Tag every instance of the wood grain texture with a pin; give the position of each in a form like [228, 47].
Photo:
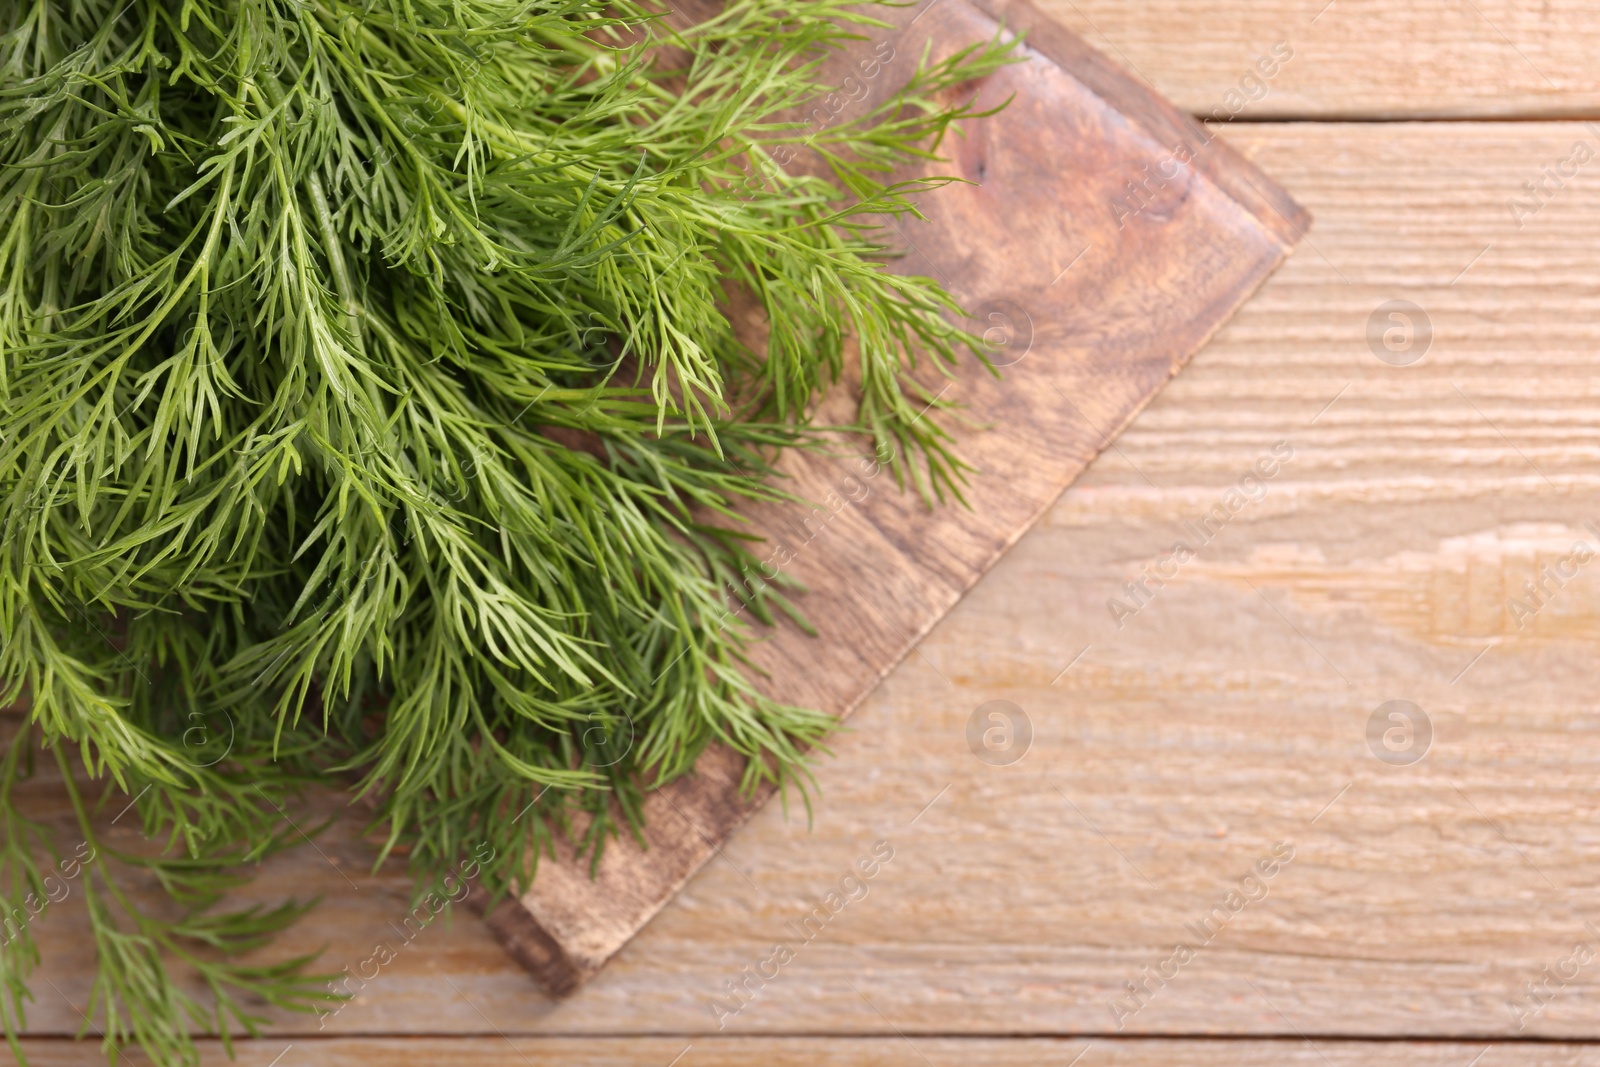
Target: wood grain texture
[895, 1051]
[1353, 59]
[1103, 296]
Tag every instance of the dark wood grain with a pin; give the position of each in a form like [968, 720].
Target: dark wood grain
[1098, 299]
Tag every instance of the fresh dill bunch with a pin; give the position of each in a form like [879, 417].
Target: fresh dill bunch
[369, 397]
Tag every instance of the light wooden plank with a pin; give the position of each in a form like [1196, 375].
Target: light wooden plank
[1354, 58]
[876, 1051]
[1208, 728]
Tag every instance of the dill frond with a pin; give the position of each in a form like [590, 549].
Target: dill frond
[366, 382]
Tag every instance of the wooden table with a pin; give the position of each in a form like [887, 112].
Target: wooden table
[1231, 715]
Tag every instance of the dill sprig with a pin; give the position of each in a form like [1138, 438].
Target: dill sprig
[370, 400]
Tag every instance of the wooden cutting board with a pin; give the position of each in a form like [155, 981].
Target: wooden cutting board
[1104, 239]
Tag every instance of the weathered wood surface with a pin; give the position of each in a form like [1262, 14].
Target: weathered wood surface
[1197, 735]
[1368, 59]
[1101, 297]
[892, 1051]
